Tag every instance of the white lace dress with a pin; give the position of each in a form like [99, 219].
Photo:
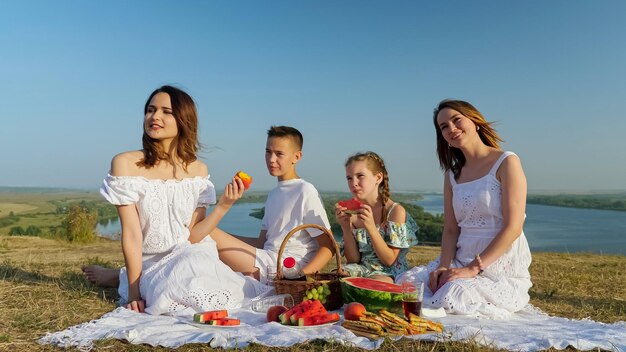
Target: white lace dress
[503, 287]
[177, 277]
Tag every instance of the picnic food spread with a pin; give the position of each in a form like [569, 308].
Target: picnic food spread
[215, 317]
[373, 294]
[311, 313]
[245, 178]
[386, 323]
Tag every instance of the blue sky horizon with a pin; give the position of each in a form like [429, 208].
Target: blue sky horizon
[351, 75]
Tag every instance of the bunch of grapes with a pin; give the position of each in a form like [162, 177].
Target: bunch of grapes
[320, 293]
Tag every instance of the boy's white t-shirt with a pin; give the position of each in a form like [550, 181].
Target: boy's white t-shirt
[293, 203]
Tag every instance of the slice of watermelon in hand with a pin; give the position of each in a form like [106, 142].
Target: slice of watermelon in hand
[353, 205]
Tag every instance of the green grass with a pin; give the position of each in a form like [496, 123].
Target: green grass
[43, 290]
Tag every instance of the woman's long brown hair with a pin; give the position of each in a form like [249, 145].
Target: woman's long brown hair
[451, 158]
[186, 143]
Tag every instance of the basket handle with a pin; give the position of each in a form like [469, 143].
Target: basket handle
[325, 231]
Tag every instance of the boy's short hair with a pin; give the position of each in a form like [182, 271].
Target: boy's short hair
[286, 131]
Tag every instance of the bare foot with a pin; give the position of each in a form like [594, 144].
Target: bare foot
[101, 276]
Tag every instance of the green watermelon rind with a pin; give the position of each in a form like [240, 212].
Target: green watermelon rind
[373, 300]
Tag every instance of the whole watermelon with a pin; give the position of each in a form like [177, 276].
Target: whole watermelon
[373, 294]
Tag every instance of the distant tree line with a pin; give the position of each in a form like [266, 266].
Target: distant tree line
[604, 202]
[104, 210]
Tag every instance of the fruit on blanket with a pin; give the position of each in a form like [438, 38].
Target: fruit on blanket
[224, 322]
[274, 312]
[352, 205]
[316, 308]
[373, 294]
[298, 308]
[210, 315]
[318, 319]
[354, 311]
[245, 178]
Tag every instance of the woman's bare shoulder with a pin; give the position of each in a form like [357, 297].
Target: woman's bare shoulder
[198, 168]
[125, 164]
[511, 167]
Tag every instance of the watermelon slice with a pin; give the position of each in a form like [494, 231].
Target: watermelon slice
[352, 205]
[314, 309]
[210, 315]
[284, 318]
[224, 322]
[318, 319]
[373, 294]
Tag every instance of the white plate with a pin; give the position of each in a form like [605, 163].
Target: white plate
[311, 326]
[209, 326]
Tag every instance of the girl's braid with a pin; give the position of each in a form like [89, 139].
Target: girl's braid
[383, 188]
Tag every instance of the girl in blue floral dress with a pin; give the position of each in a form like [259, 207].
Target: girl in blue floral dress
[378, 235]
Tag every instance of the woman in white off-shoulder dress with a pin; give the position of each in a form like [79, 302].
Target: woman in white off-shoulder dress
[483, 266]
[161, 193]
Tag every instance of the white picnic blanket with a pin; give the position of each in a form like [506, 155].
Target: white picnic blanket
[529, 330]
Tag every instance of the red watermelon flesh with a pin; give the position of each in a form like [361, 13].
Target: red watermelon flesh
[210, 315]
[224, 322]
[375, 285]
[314, 309]
[351, 204]
[318, 319]
[284, 318]
[373, 294]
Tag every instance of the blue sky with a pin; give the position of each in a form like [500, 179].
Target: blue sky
[351, 75]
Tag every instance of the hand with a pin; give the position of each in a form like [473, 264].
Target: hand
[434, 277]
[137, 305]
[456, 273]
[232, 192]
[342, 217]
[365, 218]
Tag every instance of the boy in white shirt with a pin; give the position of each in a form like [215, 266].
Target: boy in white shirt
[292, 203]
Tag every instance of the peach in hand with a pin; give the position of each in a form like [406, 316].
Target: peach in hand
[245, 178]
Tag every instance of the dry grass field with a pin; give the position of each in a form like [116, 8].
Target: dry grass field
[15, 208]
[42, 290]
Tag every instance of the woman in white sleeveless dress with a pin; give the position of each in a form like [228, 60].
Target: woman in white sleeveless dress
[161, 193]
[483, 266]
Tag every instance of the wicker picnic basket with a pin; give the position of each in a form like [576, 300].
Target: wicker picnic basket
[297, 288]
